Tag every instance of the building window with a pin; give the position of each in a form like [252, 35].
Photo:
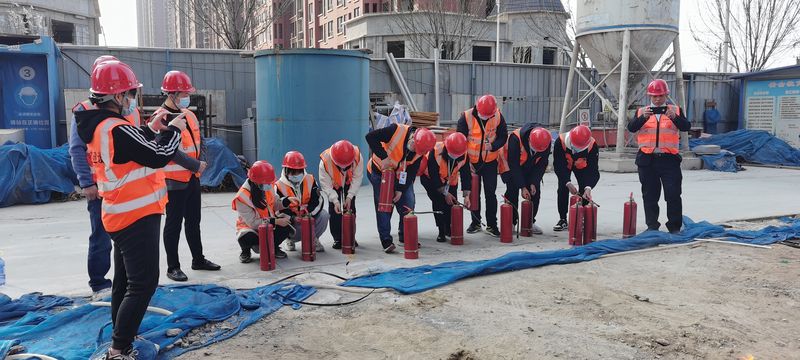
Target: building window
[63, 32]
[448, 50]
[329, 4]
[374, 8]
[366, 8]
[549, 55]
[280, 31]
[522, 55]
[339, 2]
[321, 31]
[310, 11]
[481, 53]
[340, 24]
[396, 48]
[330, 29]
[356, 12]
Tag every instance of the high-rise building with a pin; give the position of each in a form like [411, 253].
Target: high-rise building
[67, 22]
[156, 23]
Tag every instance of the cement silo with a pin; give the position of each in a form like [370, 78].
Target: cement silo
[624, 39]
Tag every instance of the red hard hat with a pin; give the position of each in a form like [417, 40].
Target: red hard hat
[262, 173]
[113, 77]
[486, 105]
[294, 160]
[540, 139]
[456, 144]
[657, 87]
[343, 153]
[176, 81]
[580, 136]
[424, 140]
[103, 58]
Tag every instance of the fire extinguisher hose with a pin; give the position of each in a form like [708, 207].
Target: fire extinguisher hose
[366, 292]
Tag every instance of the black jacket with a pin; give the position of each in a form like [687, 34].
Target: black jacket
[375, 139]
[560, 159]
[502, 130]
[433, 170]
[532, 171]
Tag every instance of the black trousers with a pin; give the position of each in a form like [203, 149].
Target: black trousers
[336, 219]
[487, 174]
[512, 194]
[662, 170]
[183, 205]
[250, 239]
[135, 277]
[585, 178]
[439, 204]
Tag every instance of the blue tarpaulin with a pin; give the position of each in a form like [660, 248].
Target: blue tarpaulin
[422, 278]
[77, 331]
[724, 161]
[221, 161]
[754, 146]
[28, 174]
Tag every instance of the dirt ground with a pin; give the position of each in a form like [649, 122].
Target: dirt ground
[704, 301]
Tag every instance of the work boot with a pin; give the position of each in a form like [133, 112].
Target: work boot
[473, 228]
[336, 245]
[205, 265]
[561, 225]
[177, 275]
[493, 231]
[536, 230]
[289, 245]
[245, 257]
[318, 246]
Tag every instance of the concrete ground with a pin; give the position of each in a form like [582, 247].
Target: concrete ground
[45, 246]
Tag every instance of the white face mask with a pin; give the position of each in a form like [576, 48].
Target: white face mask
[295, 178]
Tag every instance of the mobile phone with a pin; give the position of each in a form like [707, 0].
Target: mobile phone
[169, 117]
[659, 109]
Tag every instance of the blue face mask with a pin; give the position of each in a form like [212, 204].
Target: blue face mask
[183, 102]
[295, 178]
[266, 187]
[131, 108]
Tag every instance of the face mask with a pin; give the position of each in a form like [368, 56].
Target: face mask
[345, 169]
[131, 108]
[266, 187]
[295, 178]
[484, 118]
[183, 103]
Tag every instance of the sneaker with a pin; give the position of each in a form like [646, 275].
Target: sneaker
[245, 257]
[389, 249]
[318, 246]
[473, 228]
[337, 245]
[256, 249]
[441, 238]
[493, 231]
[536, 230]
[205, 265]
[140, 349]
[289, 245]
[99, 295]
[279, 254]
[561, 225]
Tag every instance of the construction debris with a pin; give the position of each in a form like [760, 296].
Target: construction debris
[424, 119]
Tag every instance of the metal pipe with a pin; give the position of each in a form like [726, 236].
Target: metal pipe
[497, 38]
[568, 94]
[676, 46]
[623, 91]
[435, 55]
[594, 88]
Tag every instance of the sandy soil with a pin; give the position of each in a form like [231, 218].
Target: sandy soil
[705, 301]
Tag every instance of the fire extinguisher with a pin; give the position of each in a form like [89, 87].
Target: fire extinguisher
[309, 251]
[348, 233]
[576, 226]
[411, 243]
[266, 246]
[526, 218]
[457, 225]
[474, 191]
[589, 223]
[629, 219]
[385, 203]
[506, 221]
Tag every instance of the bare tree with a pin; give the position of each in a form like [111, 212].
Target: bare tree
[450, 26]
[760, 30]
[236, 23]
[557, 29]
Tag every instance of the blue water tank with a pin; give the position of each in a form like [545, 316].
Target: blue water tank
[307, 99]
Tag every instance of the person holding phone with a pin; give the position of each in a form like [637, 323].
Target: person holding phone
[658, 128]
[183, 179]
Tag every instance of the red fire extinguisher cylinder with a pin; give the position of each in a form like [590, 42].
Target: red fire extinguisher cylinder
[266, 246]
[385, 203]
[457, 225]
[474, 191]
[629, 218]
[526, 218]
[411, 242]
[309, 251]
[506, 222]
[348, 233]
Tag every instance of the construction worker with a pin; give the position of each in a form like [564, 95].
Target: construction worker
[340, 176]
[255, 203]
[575, 153]
[485, 129]
[183, 180]
[99, 258]
[522, 165]
[398, 147]
[658, 128]
[124, 159]
[299, 195]
[439, 175]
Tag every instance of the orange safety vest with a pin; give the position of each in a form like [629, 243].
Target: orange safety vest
[133, 117]
[130, 191]
[190, 145]
[580, 163]
[663, 134]
[476, 146]
[395, 149]
[502, 158]
[445, 177]
[338, 178]
[244, 196]
[286, 190]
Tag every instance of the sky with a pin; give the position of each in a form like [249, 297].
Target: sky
[120, 31]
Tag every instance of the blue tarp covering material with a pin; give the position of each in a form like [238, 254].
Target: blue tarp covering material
[724, 161]
[75, 333]
[28, 174]
[221, 161]
[422, 278]
[754, 146]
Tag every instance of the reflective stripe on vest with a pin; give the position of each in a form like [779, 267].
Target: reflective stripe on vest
[580, 163]
[338, 179]
[502, 158]
[130, 191]
[663, 134]
[305, 192]
[446, 175]
[190, 143]
[244, 196]
[476, 139]
[395, 149]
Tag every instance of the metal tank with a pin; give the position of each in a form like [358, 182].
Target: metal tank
[600, 29]
[307, 99]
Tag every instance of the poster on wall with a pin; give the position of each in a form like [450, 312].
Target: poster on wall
[774, 106]
[25, 96]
